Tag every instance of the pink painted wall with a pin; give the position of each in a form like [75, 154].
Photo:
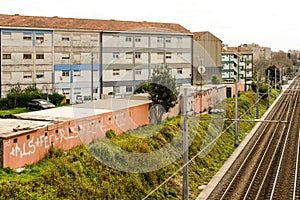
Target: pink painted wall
[30, 147]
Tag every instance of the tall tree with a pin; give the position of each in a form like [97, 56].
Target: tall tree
[162, 90]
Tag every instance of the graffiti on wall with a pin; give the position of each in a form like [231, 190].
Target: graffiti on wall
[35, 143]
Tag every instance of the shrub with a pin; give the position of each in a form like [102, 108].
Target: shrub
[4, 104]
[56, 98]
[110, 134]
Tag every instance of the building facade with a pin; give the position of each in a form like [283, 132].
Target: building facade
[87, 57]
[207, 53]
[237, 63]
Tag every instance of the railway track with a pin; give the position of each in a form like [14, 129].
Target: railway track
[268, 167]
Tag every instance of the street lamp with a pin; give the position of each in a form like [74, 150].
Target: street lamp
[201, 70]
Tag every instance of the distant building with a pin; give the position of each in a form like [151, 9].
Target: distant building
[259, 52]
[237, 62]
[207, 53]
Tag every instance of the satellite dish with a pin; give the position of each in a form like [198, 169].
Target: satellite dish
[201, 69]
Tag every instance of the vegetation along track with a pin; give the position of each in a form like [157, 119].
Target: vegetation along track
[268, 166]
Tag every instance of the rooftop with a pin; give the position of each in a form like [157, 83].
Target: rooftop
[87, 24]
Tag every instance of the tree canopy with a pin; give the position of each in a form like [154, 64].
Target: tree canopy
[162, 90]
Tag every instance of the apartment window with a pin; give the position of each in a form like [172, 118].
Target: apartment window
[76, 37]
[6, 56]
[116, 55]
[138, 72]
[94, 38]
[66, 91]
[26, 36]
[128, 55]
[39, 37]
[116, 72]
[65, 56]
[128, 88]
[138, 55]
[77, 72]
[116, 89]
[65, 73]
[27, 75]
[138, 38]
[128, 38]
[77, 91]
[27, 56]
[65, 38]
[159, 39]
[39, 56]
[168, 40]
[6, 36]
[168, 55]
[160, 55]
[179, 70]
[39, 75]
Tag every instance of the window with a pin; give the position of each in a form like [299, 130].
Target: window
[26, 56]
[168, 40]
[77, 72]
[138, 72]
[116, 72]
[179, 54]
[65, 73]
[168, 55]
[138, 55]
[66, 91]
[76, 37]
[27, 75]
[128, 88]
[65, 56]
[128, 38]
[39, 56]
[179, 70]
[138, 38]
[128, 55]
[116, 89]
[160, 55]
[6, 56]
[159, 39]
[39, 37]
[39, 75]
[65, 38]
[6, 36]
[77, 91]
[26, 36]
[116, 55]
[94, 38]
[179, 39]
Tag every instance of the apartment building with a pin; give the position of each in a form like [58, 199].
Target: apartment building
[88, 56]
[207, 53]
[237, 61]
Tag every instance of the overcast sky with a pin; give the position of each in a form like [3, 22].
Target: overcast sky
[264, 22]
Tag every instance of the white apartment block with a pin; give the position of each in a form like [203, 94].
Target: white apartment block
[237, 64]
[83, 57]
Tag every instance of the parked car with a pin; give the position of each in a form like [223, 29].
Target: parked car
[39, 104]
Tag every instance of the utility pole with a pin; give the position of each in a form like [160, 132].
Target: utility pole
[185, 148]
[92, 76]
[245, 65]
[268, 88]
[236, 135]
[257, 104]
[275, 82]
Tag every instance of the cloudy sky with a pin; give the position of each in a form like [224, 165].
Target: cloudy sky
[264, 22]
